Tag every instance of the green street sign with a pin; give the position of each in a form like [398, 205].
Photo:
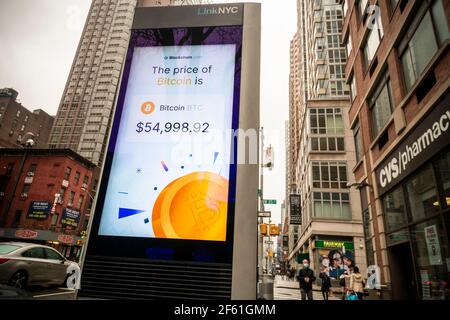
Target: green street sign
[269, 201]
[259, 192]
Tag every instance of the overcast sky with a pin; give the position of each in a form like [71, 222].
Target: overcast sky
[39, 40]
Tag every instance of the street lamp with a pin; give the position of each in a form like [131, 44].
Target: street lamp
[359, 185]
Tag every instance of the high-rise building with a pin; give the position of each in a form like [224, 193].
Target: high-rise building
[84, 114]
[322, 149]
[18, 124]
[398, 70]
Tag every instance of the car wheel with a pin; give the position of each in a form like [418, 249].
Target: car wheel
[19, 279]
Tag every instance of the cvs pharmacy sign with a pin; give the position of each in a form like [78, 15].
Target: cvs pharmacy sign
[422, 143]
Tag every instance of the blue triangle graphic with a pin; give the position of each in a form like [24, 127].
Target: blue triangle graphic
[124, 212]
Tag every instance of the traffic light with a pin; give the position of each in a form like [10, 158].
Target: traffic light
[264, 229]
[274, 230]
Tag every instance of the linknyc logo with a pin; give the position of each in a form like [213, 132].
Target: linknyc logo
[217, 11]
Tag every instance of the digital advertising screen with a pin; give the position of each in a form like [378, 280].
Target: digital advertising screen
[171, 170]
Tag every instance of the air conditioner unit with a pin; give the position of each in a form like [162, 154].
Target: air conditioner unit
[2, 194]
[84, 186]
[24, 195]
[30, 174]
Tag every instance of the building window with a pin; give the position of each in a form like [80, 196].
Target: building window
[393, 5]
[329, 175]
[32, 168]
[9, 169]
[334, 144]
[366, 224]
[381, 105]
[373, 40]
[357, 136]
[332, 205]
[431, 252]
[326, 121]
[77, 177]
[444, 174]
[345, 8]
[395, 209]
[71, 197]
[422, 195]
[353, 91]
[67, 173]
[423, 41]
[349, 45]
[362, 6]
[85, 180]
[26, 189]
[62, 193]
[80, 202]
[370, 254]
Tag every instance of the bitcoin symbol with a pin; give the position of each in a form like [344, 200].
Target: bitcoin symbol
[147, 107]
[139, 128]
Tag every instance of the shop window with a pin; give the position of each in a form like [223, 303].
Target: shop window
[422, 195]
[444, 174]
[431, 256]
[427, 33]
[394, 209]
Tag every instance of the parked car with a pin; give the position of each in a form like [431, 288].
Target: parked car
[25, 264]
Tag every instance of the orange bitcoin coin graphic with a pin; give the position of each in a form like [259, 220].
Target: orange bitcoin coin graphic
[192, 207]
[147, 107]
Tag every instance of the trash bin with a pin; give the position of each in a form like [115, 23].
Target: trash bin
[265, 287]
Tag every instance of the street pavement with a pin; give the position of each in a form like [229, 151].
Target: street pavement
[289, 290]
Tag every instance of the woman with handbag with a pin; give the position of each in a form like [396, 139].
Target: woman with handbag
[344, 281]
[357, 283]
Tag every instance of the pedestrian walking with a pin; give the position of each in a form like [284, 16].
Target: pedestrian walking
[344, 281]
[357, 283]
[326, 283]
[306, 278]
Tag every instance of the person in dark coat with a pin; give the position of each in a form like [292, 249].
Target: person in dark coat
[326, 283]
[306, 278]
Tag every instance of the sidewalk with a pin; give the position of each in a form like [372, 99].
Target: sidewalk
[289, 290]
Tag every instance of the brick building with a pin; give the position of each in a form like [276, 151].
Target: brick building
[398, 71]
[16, 121]
[45, 196]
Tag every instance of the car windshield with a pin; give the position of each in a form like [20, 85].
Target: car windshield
[7, 248]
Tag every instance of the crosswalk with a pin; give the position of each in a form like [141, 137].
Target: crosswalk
[289, 290]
